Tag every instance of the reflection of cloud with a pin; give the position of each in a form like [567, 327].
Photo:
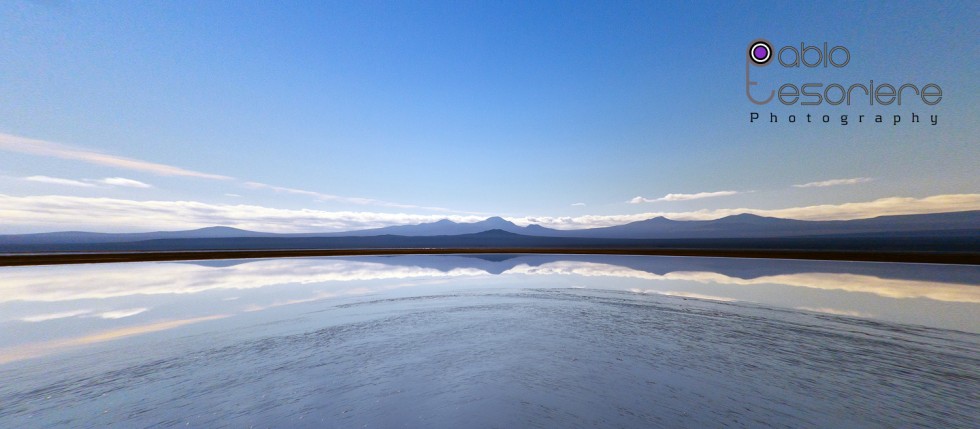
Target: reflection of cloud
[684, 295]
[77, 282]
[835, 311]
[683, 197]
[316, 297]
[119, 314]
[54, 316]
[67, 283]
[889, 288]
[28, 351]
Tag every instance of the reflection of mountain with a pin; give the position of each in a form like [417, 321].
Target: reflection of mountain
[732, 267]
[959, 231]
[86, 282]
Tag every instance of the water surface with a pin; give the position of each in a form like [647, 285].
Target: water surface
[490, 341]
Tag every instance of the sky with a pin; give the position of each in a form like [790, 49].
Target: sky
[332, 116]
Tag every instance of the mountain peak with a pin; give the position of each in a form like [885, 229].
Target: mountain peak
[497, 220]
[745, 216]
[220, 228]
[752, 219]
[658, 219]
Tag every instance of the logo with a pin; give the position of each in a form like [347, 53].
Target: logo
[761, 53]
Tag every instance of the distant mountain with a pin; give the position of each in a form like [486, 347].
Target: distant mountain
[76, 237]
[737, 226]
[442, 227]
[964, 226]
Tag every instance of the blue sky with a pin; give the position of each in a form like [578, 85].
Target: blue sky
[333, 116]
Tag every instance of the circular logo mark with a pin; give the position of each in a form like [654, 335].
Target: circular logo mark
[760, 51]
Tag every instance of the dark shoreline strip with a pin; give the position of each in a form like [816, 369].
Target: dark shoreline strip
[109, 257]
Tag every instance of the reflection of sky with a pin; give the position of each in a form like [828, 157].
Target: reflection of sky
[47, 308]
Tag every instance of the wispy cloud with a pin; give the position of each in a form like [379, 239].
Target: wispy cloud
[36, 147]
[56, 150]
[121, 181]
[89, 183]
[683, 197]
[59, 181]
[328, 197]
[578, 205]
[858, 210]
[834, 182]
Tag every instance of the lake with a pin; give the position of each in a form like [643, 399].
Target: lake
[490, 341]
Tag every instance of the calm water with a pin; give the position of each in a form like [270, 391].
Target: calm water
[491, 341]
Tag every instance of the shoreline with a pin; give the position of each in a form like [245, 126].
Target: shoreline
[37, 259]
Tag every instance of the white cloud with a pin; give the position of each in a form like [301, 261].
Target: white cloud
[834, 182]
[58, 181]
[121, 181]
[859, 210]
[233, 195]
[683, 197]
[578, 205]
[88, 183]
[44, 148]
[59, 213]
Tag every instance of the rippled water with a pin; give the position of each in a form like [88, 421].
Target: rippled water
[528, 341]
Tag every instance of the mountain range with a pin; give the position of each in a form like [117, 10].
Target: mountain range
[736, 226]
[743, 226]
